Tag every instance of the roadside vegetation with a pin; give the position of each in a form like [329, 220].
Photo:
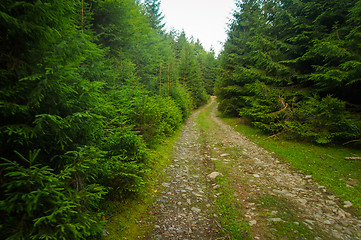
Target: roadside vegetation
[88, 91]
[132, 218]
[293, 69]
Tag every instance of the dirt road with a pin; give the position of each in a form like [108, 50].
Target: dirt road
[212, 160]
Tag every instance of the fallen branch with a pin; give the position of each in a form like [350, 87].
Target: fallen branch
[359, 140]
[352, 158]
[274, 135]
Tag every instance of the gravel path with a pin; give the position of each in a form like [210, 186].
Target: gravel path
[186, 208]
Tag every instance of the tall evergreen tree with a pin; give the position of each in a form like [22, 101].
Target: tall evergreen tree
[154, 14]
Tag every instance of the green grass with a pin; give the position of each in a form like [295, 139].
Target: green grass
[203, 118]
[230, 213]
[326, 164]
[130, 219]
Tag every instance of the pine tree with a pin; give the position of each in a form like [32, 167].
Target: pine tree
[154, 14]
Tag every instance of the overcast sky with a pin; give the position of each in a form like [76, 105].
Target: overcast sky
[205, 20]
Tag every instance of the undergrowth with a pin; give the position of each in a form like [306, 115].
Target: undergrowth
[131, 219]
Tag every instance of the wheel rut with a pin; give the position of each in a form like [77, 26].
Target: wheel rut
[184, 206]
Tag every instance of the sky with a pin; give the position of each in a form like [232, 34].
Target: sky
[205, 20]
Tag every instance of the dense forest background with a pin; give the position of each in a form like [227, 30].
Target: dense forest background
[87, 88]
[293, 68]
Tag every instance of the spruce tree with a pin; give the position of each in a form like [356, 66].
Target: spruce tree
[154, 14]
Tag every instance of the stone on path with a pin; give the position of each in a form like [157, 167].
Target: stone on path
[214, 175]
[161, 200]
[275, 220]
[347, 204]
[197, 194]
[194, 209]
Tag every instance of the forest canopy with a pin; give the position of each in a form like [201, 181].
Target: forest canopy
[293, 68]
[87, 87]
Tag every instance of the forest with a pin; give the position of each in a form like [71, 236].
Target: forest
[293, 69]
[87, 88]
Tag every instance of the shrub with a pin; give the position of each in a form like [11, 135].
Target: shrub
[39, 204]
[323, 120]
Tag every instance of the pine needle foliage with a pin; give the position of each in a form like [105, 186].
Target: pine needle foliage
[87, 88]
[292, 68]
